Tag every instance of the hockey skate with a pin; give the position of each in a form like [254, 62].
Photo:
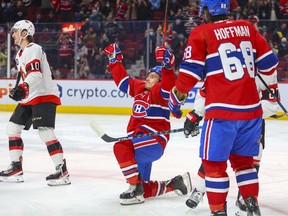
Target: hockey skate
[134, 195]
[220, 212]
[241, 205]
[14, 173]
[60, 177]
[194, 199]
[252, 206]
[181, 184]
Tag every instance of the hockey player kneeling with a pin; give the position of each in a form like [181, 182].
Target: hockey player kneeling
[150, 113]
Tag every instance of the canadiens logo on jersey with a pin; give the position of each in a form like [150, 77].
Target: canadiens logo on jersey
[140, 109]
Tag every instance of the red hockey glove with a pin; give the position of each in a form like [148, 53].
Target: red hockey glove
[19, 92]
[159, 53]
[174, 104]
[113, 52]
[165, 56]
[191, 123]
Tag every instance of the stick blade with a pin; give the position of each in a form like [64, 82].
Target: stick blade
[96, 128]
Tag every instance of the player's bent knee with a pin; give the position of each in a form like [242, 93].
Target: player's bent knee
[46, 134]
[14, 129]
[239, 162]
[214, 168]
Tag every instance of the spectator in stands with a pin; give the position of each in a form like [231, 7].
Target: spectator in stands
[273, 15]
[4, 11]
[66, 53]
[132, 15]
[262, 12]
[150, 35]
[121, 10]
[3, 62]
[51, 17]
[89, 39]
[284, 9]
[66, 11]
[283, 48]
[97, 65]
[279, 33]
[144, 10]
[237, 13]
[178, 25]
[106, 9]
[3, 37]
[17, 12]
[113, 29]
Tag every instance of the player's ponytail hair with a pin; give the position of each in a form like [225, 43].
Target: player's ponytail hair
[30, 39]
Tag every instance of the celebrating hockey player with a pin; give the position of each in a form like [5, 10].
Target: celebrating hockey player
[269, 106]
[150, 113]
[37, 94]
[226, 54]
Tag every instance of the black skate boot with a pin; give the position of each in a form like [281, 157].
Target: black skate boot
[241, 205]
[219, 213]
[14, 173]
[194, 199]
[134, 195]
[60, 177]
[181, 184]
[252, 206]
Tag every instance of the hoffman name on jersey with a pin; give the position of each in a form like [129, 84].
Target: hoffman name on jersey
[232, 31]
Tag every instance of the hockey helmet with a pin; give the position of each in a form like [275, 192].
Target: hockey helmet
[156, 69]
[215, 7]
[24, 25]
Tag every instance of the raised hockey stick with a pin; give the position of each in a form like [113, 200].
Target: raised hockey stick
[98, 130]
[165, 23]
[274, 96]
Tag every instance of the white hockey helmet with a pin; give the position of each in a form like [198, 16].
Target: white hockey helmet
[24, 25]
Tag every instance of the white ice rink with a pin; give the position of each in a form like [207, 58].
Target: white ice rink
[97, 180]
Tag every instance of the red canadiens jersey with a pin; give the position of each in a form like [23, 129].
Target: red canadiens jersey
[150, 112]
[226, 55]
[35, 71]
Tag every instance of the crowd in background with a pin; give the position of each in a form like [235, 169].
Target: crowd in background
[101, 22]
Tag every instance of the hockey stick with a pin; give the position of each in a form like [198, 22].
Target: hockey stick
[274, 96]
[98, 130]
[165, 23]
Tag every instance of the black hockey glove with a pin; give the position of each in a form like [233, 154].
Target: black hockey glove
[19, 92]
[190, 124]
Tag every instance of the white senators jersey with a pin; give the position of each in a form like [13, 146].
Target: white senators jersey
[35, 71]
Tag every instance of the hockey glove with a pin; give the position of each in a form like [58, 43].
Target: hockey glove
[159, 53]
[19, 92]
[169, 60]
[164, 56]
[190, 124]
[174, 104]
[267, 96]
[113, 52]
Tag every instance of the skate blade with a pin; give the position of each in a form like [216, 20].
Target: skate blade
[12, 179]
[187, 182]
[59, 182]
[132, 201]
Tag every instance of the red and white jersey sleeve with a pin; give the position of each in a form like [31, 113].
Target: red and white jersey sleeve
[35, 71]
[226, 55]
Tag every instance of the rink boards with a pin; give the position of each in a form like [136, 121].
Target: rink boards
[100, 97]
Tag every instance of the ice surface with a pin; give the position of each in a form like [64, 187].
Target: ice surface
[97, 180]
